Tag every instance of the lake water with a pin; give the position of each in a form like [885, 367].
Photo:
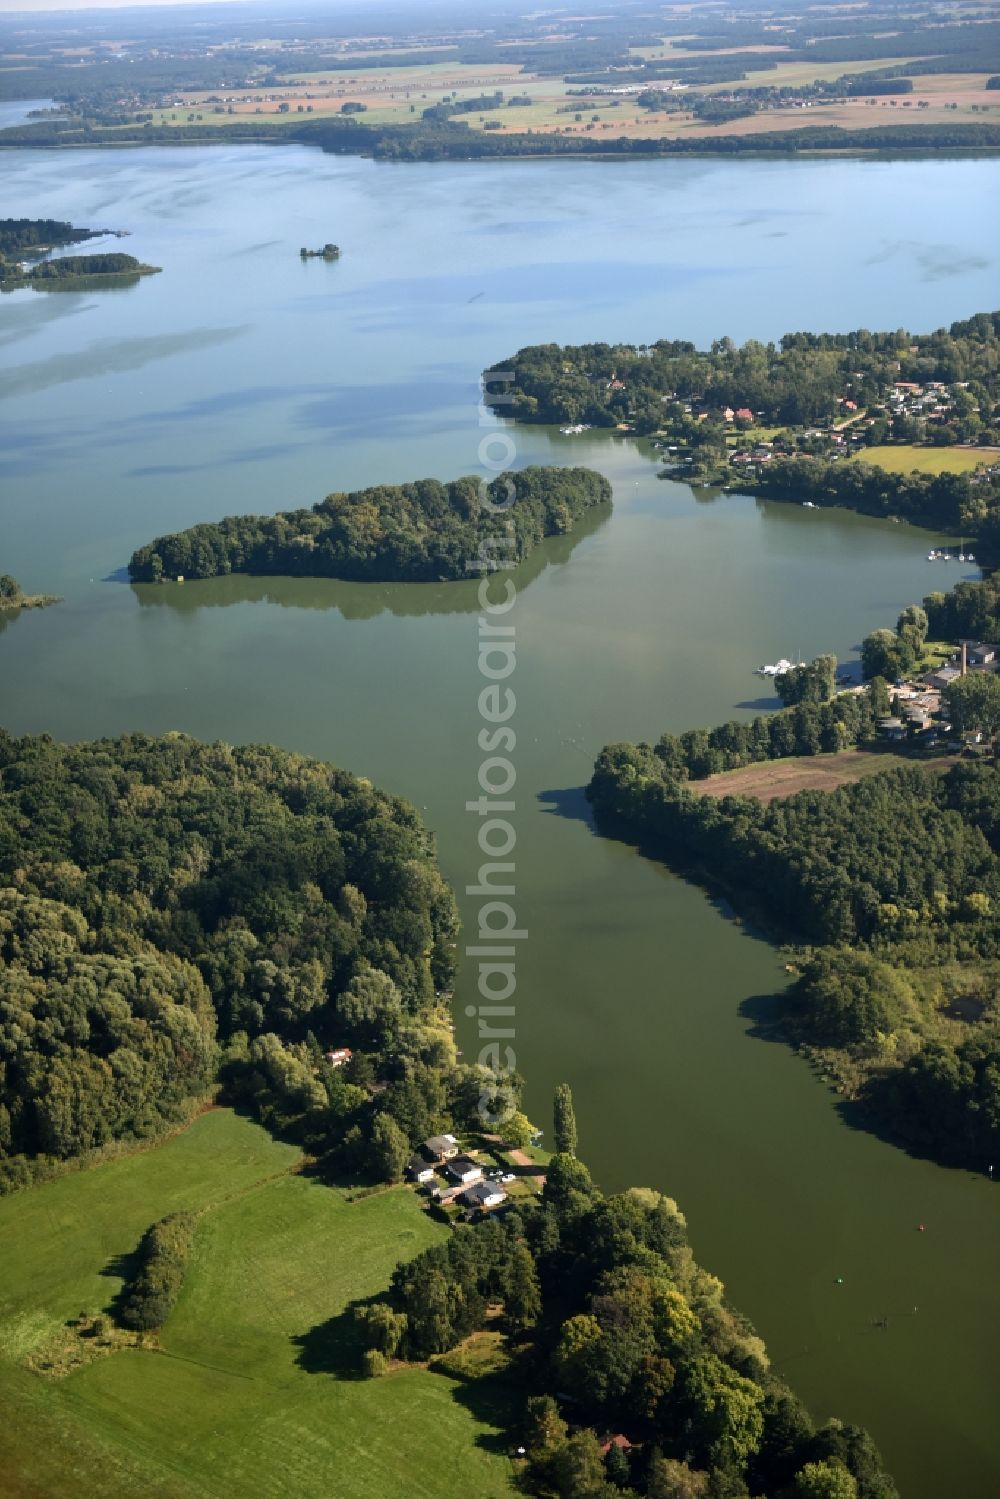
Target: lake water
[19, 112]
[243, 379]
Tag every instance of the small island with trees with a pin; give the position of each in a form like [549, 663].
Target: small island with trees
[24, 241]
[113, 266]
[424, 531]
[328, 252]
[13, 598]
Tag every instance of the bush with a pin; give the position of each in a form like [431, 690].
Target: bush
[148, 1299]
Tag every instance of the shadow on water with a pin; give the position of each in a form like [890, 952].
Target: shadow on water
[569, 802]
[359, 600]
[759, 704]
[870, 1113]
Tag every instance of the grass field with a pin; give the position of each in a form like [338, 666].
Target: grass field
[904, 458]
[772, 779]
[249, 1393]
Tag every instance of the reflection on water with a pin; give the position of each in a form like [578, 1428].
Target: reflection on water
[361, 600]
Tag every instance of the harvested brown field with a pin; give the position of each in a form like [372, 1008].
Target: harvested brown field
[772, 779]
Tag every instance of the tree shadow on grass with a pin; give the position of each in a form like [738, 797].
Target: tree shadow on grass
[335, 1346]
[492, 1400]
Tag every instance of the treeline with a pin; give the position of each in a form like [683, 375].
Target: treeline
[970, 611]
[161, 893]
[452, 140]
[18, 236]
[963, 504]
[889, 857]
[424, 531]
[602, 1301]
[149, 1296]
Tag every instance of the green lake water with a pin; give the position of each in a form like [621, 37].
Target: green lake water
[242, 379]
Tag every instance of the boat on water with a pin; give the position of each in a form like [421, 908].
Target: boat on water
[776, 668]
[575, 429]
[808, 505]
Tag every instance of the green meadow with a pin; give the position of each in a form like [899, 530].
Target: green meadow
[250, 1391]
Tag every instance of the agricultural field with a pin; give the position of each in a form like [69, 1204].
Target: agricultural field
[250, 1389]
[772, 779]
[905, 458]
[398, 96]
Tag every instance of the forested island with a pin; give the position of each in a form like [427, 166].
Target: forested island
[889, 884]
[112, 266]
[177, 918]
[419, 532]
[795, 420]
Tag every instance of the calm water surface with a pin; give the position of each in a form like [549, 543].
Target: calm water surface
[242, 379]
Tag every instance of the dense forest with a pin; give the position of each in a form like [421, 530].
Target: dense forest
[612, 1327]
[889, 885]
[174, 912]
[424, 531]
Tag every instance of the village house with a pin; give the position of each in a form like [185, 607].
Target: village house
[464, 1169]
[338, 1056]
[484, 1195]
[981, 655]
[744, 414]
[893, 729]
[943, 677]
[441, 1147]
[419, 1170]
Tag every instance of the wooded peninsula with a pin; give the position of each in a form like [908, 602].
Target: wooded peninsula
[890, 884]
[796, 420]
[424, 531]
